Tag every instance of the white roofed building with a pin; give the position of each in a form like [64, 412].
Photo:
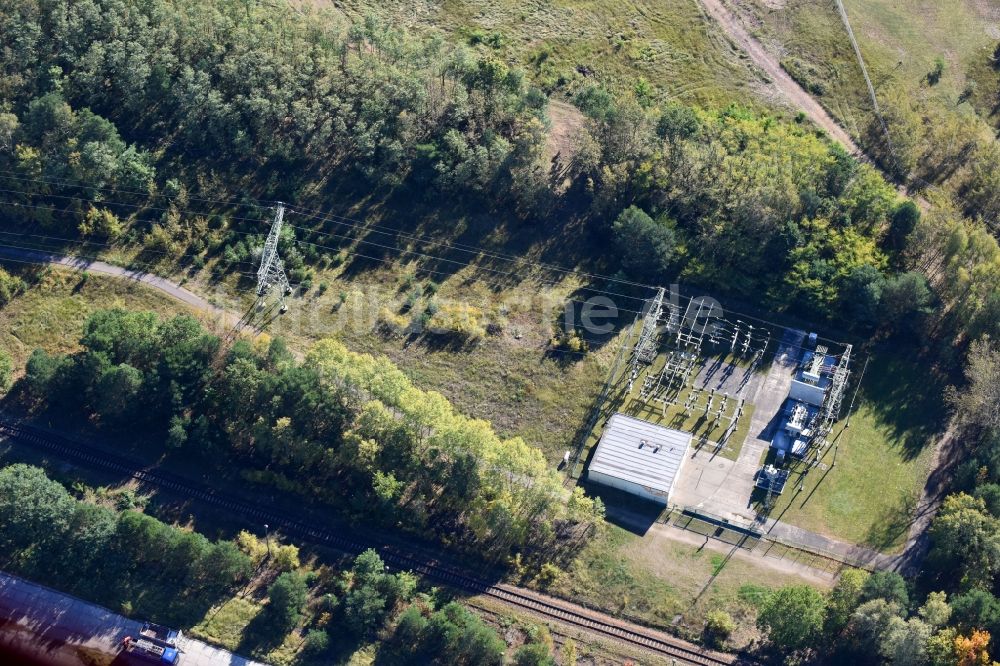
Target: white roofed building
[639, 457]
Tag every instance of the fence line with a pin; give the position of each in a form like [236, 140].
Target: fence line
[571, 469]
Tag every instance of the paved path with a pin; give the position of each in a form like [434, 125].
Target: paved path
[100, 267]
[58, 628]
[785, 84]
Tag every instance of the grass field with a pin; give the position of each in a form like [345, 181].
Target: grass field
[900, 42]
[50, 315]
[882, 461]
[511, 379]
[656, 579]
[564, 45]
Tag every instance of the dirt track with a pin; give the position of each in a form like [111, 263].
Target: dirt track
[789, 89]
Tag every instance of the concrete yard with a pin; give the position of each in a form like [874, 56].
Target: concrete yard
[723, 487]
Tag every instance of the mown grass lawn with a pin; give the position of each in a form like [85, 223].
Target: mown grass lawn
[882, 460]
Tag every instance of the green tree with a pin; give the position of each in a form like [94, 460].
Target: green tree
[868, 626]
[905, 298]
[941, 649]
[373, 593]
[317, 642]
[844, 599]
[646, 246]
[976, 609]
[118, 390]
[936, 612]
[222, 566]
[978, 403]
[905, 641]
[454, 635]
[286, 599]
[905, 218]
[677, 123]
[989, 493]
[861, 295]
[793, 616]
[78, 560]
[177, 433]
[34, 510]
[966, 541]
[887, 585]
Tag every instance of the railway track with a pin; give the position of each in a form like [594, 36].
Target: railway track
[591, 621]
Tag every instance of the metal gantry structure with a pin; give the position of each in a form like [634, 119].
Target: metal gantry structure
[829, 411]
[835, 396]
[645, 348]
[271, 277]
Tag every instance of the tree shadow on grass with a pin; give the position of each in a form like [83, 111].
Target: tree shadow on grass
[892, 525]
[906, 401]
[264, 633]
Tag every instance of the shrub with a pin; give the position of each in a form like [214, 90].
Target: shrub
[252, 546]
[6, 371]
[102, 223]
[548, 574]
[392, 323]
[317, 642]
[571, 342]
[533, 654]
[286, 558]
[457, 319]
[10, 286]
[719, 626]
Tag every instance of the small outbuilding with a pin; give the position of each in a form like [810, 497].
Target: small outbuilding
[639, 457]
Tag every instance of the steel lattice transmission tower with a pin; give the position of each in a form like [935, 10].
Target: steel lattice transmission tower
[271, 276]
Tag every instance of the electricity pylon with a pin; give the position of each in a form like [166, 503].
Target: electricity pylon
[271, 274]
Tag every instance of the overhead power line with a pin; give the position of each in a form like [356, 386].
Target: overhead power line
[368, 228]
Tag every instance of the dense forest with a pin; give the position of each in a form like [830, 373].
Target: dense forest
[344, 430]
[139, 121]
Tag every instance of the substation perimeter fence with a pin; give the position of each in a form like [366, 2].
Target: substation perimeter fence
[757, 542]
[714, 528]
[812, 557]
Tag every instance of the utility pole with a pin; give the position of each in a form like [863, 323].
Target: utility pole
[267, 539]
[271, 273]
[850, 408]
